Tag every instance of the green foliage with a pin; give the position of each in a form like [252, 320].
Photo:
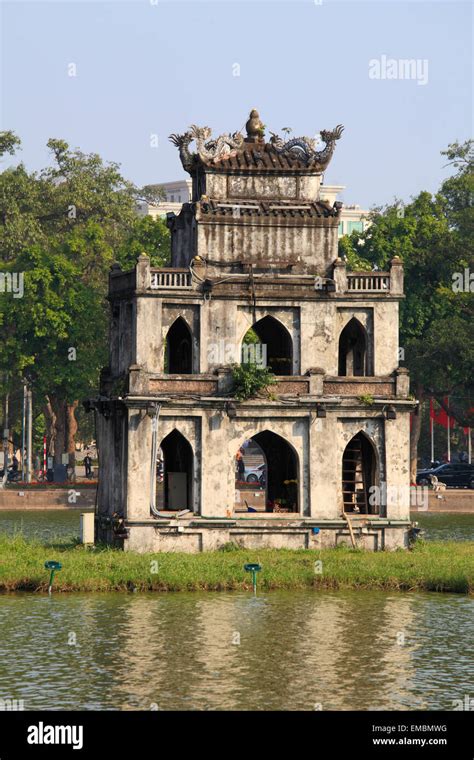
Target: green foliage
[368, 399]
[152, 193]
[9, 142]
[56, 335]
[63, 228]
[251, 337]
[433, 236]
[250, 379]
[348, 251]
[149, 236]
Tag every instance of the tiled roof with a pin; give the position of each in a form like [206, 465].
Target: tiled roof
[258, 157]
[290, 209]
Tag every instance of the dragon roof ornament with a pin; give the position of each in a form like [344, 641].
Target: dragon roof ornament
[304, 148]
[209, 151]
[212, 151]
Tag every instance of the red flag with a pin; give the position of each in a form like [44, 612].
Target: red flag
[467, 429]
[441, 417]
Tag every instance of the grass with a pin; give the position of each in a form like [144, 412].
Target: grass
[432, 566]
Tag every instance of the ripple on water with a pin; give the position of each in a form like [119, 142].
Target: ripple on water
[282, 650]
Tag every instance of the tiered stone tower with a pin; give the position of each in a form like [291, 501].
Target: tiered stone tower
[256, 248]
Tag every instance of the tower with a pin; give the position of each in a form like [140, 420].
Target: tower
[255, 249]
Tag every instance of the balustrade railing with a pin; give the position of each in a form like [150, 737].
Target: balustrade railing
[171, 278]
[368, 281]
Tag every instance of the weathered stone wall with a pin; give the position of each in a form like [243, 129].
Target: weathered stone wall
[183, 238]
[219, 325]
[140, 325]
[189, 537]
[310, 247]
[112, 438]
[397, 454]
[138, 467]
[149, 350]
[126, 333]
[386, 337]
[319, 444]
[304, 187]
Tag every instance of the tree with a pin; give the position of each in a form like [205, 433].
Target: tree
[152, 194]
[62, 228]
[433, 237]
[57, 334]
[147, 235]
[9, 143]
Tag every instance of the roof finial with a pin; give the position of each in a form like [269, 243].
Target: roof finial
[254, 127]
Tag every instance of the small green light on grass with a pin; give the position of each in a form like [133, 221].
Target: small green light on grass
[53, 566]
[254, 568]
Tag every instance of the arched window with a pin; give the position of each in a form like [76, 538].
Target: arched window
[266, 475]
[359, 474]
[273, 348]
[178, 351]
[175, 473]
[353, 350]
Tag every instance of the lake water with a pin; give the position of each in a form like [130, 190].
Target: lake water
[276, 651]
[281, 650]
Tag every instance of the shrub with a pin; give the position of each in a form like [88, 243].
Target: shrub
[250, 379]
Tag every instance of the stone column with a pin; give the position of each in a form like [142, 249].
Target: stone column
[396, 276]
[324, 467]
[397, 458]
[340, 275]
[138, 463]
[316, 381]
[224, 380]
[218, 469]
[137, 380]
[148, 347]
[142, 273]
[402, 382]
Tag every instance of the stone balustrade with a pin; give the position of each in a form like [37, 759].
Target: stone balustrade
[170, 278]
[367, 282]
[215, 384]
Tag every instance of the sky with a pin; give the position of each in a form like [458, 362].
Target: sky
[108, 77]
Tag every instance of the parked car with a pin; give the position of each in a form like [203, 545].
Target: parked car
[256, 474]
[458, 475]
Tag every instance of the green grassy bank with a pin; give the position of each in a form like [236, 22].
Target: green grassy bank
[433, 566]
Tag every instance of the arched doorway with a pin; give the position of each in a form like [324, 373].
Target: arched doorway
[178, 350]
[359, 474]
[177, 473]
[250, 478]
[267, 481]
[277, 344]
[353, 350]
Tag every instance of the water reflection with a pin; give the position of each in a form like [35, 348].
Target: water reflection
[297, 650]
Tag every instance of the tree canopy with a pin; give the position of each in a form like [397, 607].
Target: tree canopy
[433, 235]
[61, 229]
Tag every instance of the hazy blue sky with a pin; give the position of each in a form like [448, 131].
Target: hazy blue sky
[155, 66]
